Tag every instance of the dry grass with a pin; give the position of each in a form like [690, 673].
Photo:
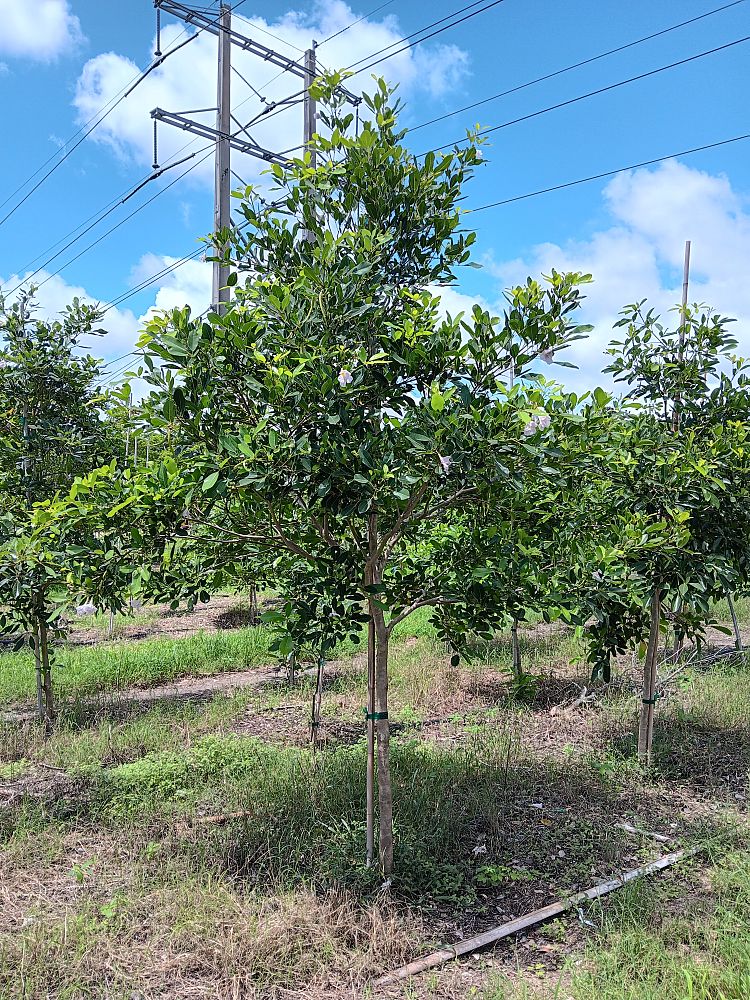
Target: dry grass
[83, 916]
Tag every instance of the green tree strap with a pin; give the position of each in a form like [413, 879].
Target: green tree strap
[651, 701]
[377, 716]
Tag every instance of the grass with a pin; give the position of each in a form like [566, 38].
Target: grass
[84, 671]
[81, 671]
[119, 881]
[675, 941]
[720, 610]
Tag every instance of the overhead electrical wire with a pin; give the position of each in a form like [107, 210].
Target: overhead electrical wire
[87, 133]
[433, 24]
[576, 65]
[410, 45]
[87, 128]
[608, 173]
[364, 17]
[592, 93]
[100, 217]
[121, 222]
[265, 31]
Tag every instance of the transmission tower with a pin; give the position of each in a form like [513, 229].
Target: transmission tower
[224, 134]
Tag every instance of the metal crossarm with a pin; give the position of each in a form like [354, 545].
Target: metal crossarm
[207, 132]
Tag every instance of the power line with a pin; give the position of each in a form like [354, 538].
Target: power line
[364, 17]
[410, 45]
[608, 173]
[100, 217]
[97, 118]
[594, 93]
[153, 278]
[265, 31]
[433, 24]
[87, 133]
[577, 65]
[113, 205]
[127, 218]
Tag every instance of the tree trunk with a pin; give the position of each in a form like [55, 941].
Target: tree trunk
[385, 792]
[735, 623]
[291, 668]
[49, 706]
[648, 697]
[316, 703]
[516, 646]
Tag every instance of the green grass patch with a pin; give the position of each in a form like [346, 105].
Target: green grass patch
[665, 940]
[305, 823]
[86, 671]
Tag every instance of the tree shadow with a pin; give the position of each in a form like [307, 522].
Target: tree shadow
[711, 760]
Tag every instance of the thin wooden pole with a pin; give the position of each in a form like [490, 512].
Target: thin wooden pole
[370, 793]
[530, 919]
[735, 623]
[516, 648]
[49, 708]
[316, 703]
[370, 743]
[648, 697]
[38, 673]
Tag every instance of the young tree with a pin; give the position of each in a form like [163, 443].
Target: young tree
[673, 509]
[52, 428]
[333, 414]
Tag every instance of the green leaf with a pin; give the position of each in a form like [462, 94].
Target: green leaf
[210, 481]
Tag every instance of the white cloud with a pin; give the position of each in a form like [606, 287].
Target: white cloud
[640, 256]
[187, 80]
[37, 29]
[189, 284]
[453, 302]
[55, 294]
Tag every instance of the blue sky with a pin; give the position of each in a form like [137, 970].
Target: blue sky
[61, 60]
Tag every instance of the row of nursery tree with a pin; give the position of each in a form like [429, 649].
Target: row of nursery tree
[334, 435]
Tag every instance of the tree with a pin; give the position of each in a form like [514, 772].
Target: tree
[671, 521]
[52, 428]
[333, 415]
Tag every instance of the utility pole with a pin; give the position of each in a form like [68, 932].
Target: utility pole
[310, 105]
[230, 133]
[685, 282]
[222, 211]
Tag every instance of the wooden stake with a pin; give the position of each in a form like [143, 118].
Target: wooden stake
[530, 919]
[316, 703]
[735, 623]
[49, 707]
[516, 646]
[38, 673]
[646, 728]
[370, 793]
[370, 743]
